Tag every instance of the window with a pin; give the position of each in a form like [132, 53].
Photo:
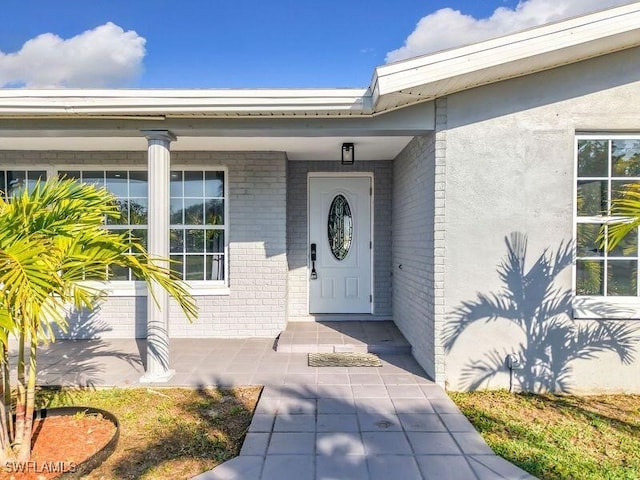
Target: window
[130, 189]
[12, 180]
[340, 227]
[198, 224]
[605, 165]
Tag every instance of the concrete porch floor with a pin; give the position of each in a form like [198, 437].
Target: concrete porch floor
[310, 423]
[349, 336]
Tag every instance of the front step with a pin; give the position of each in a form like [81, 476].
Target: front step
[381, 337]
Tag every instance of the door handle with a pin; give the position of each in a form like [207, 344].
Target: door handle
[314, 256]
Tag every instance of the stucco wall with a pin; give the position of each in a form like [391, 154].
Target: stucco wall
[413, 234]
[255, 305]
[510, 168]
[297, 236]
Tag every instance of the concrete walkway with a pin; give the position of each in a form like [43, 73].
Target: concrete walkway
[388, 422]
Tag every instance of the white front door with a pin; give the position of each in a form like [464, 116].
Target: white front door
[340, 245]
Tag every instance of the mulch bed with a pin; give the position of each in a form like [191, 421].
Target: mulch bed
[59, 445]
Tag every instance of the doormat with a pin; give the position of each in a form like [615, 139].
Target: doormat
[347, 359]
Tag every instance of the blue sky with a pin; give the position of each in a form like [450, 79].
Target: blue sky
[243, 43]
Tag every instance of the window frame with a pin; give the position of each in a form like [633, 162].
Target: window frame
[26, 169]
[207, 285]
[137, 288]
[114, 227]
[602, 306]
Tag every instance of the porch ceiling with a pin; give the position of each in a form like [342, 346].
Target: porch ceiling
[376, 137]
[296, 148]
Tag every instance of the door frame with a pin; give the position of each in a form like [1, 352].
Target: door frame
[371, 178]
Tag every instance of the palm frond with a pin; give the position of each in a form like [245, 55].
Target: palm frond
[52, 238]
[479, 373]
[485, 307]
[27, 271]
[626, 217]
[616, 337]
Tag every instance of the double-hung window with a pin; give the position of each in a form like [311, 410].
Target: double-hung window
[12, 180]
[605, 166]
[130, 188]
[198, 216]
[198, 225]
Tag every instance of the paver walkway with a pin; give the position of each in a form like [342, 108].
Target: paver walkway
[387, 422]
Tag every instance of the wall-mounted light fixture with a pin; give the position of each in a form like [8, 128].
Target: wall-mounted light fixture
[348, 154]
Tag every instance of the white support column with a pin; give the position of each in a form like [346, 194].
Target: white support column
[158, 162]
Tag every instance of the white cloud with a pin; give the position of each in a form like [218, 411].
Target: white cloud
[106, 56]
[448, 28]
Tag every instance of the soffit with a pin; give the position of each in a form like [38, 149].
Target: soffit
[296, 148]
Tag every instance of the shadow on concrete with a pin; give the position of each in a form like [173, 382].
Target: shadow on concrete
[82, 363]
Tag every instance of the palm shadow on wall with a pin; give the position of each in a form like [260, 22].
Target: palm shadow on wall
[543, 312]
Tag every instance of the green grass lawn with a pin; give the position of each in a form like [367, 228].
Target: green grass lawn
[560, 437]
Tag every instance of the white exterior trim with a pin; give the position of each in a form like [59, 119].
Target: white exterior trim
[393, 86]
[139, 289]
[619, 308]
[534, 50]
[159, 103]
[594, 306]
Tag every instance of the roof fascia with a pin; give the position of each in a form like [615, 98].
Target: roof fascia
[620, 26]
[516, 47]
[285, 102]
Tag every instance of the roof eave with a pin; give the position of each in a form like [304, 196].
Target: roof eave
[506, 57]
[393, 86]
[176, 103]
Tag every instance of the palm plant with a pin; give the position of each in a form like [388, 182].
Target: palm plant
[52, 239]
[625, 211]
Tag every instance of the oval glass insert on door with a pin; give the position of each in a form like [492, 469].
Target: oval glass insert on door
[340, 227]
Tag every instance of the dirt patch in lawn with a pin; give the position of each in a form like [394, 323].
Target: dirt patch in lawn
[60, 444]
[167, 433]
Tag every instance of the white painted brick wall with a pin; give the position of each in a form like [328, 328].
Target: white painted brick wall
[414, 269]
[117, 317]
[297, 233]
[256, 305]
[439, 244]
